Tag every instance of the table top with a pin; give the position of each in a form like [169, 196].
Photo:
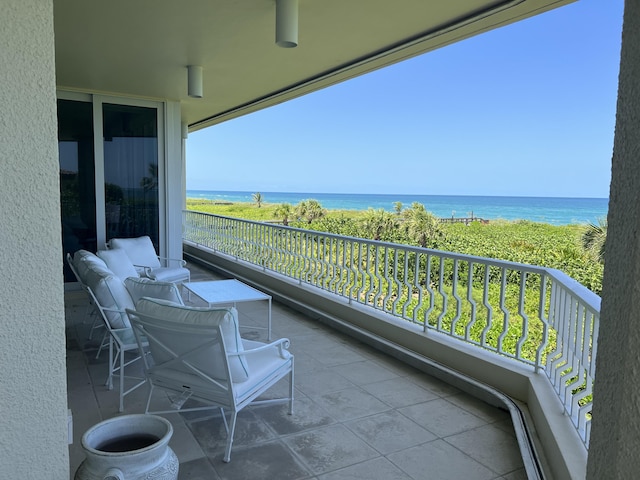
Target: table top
[225, 291]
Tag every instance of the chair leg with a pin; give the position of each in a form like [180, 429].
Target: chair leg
[109, 382]
[102, 344]
[91, 313]
[232, 428]
[146, 410]
[121, 377]
[291, 391]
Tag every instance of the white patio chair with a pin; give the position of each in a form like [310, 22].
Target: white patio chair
[111, 297]
[143, 255]
[198, 354]
[120, 341]
[91, 311]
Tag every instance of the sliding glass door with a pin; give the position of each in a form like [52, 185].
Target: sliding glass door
[77, 178]
[130, 171]
[109, 181]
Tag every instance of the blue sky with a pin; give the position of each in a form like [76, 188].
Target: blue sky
[525, 110]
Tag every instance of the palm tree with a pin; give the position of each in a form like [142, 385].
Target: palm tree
[310, 210]
[257, 199]
[378, 224]
[422, 227]
[594, 239]
[284, 211]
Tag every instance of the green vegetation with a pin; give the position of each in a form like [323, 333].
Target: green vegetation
[309, 210]
[594, 239]
[560, 247]
[236, 210]
[284, 212]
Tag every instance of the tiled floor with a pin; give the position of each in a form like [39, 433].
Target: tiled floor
[359, 414]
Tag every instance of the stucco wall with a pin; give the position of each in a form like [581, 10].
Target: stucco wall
[33, 403]
[613, 452]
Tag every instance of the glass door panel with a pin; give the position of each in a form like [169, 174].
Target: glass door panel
[131, 171]
[77, 178]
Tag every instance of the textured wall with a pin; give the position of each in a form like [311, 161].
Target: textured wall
[613, 452]
[33, 414]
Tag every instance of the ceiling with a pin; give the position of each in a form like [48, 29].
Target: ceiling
[141, 48]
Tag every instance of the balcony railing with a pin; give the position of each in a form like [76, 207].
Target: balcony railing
[534, 315]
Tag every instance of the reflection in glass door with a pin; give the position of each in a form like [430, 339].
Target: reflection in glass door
[77, 178]
[131, 171]
[109, 185]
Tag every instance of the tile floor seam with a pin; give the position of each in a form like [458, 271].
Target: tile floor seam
[299, 457]
[478, 460]
[412, 420]
[355, 432]
[470, 410]
[444, 439]
[240, 449]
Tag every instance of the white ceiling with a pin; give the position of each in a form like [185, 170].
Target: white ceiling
[141, 47]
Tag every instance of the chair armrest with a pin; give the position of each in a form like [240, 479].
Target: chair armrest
[118, 330]
[116, 310]
[282, 344]
[140, 266]
[180, 261]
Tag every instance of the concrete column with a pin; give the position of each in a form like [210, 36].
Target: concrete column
[613, 453]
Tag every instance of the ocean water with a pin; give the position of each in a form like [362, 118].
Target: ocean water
[552, 210]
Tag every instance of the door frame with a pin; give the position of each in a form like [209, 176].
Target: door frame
[97, 101]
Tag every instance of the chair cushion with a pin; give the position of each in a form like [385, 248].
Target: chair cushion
[110, 293]
[227, 318]
[145, 287]
[81, 254]
[118, 262]
[266, 364]
[170, 274]
[140, 250]
[82, 262]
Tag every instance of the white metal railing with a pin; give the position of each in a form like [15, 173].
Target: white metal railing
[535, 315]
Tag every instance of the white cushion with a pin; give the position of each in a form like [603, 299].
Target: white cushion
[81, 254]
[83, 260]
[145, 287]
[263, 364]
[110, 293]
[118, 262]
[170, 274]
[140, 250]
[227, 318]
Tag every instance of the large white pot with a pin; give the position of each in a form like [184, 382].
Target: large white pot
[129, 447]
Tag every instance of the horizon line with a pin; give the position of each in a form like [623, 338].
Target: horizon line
[395, 194]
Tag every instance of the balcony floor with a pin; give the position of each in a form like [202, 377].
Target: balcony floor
[358, 413]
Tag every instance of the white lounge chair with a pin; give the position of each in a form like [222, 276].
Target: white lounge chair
[111, 295]
[143, 255]
[91, 311]
[198, 354]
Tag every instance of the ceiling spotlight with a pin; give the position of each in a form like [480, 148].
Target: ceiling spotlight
[287, 23]
[194, 85]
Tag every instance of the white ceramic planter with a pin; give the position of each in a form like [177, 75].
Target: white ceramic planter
[129, 447]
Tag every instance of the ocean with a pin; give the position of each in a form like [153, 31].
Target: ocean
[552, 210]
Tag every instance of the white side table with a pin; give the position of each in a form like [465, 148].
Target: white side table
[223, 292]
